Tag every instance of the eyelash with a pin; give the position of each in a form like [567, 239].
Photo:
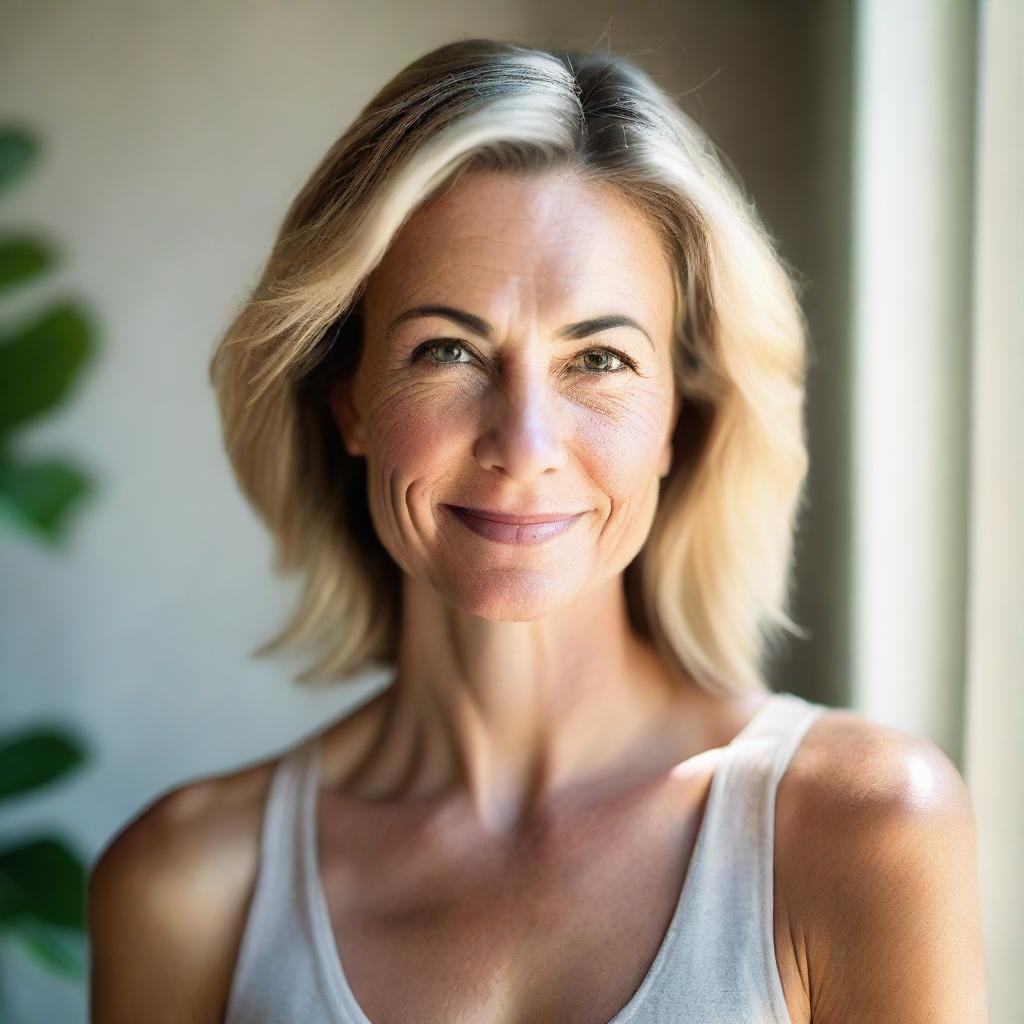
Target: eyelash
[427, 346]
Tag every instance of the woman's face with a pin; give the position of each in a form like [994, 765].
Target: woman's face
[502, 405]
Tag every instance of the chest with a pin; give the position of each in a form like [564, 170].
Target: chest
[435, 924]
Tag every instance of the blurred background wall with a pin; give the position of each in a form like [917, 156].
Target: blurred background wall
[174, 135]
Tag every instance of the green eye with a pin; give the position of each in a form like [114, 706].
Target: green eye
[439, 345]
[449, 345]
[608, 354]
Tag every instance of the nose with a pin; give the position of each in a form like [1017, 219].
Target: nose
[523, 432]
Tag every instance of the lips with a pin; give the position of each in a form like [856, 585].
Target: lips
[514, 532]
[515, 519]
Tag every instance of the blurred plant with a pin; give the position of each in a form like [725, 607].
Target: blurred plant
[38, 364]
[42, 878]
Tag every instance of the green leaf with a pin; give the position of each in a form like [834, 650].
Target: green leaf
[18, 151]
[40, 361]
[40, 495]
[23, 258]
[38, 758]
[45, 880]
[62, 950]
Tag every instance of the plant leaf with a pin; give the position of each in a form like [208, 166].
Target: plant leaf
[18, 151]
[60, 949]
[38, 758]
[23, 258]
[40, 495]
[40, 361]
[42, 879]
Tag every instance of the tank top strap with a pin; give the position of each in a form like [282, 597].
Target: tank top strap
[772, 737]
[276, 934]
[726, 943]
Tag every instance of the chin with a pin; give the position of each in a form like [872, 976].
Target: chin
[512, 595]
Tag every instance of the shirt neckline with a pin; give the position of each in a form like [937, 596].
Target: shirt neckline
[328, 959]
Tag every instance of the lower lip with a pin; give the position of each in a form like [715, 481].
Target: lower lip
[510, 533]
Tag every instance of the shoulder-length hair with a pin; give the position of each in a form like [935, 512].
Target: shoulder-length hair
[710, 588]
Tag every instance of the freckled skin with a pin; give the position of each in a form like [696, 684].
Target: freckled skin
[526, 420]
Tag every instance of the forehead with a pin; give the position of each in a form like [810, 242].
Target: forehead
[551, 244]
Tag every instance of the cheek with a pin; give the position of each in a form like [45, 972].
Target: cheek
[623, 453]
[410, 428]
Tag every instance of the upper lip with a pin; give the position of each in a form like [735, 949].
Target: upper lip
[527, 519]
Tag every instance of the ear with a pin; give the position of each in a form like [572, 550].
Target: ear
[666, 459]
[346, 415]
[667, 451]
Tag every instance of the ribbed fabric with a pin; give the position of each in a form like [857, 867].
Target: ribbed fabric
[716, 963]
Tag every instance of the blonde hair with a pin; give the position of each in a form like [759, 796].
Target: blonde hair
[710, 588]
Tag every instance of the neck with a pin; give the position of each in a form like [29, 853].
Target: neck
[507, 715]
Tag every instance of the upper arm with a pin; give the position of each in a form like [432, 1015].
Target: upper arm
[157, 941]
[892, 916]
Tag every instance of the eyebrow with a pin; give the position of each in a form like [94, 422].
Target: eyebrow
[573, 332]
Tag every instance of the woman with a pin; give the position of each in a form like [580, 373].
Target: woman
[520, 391]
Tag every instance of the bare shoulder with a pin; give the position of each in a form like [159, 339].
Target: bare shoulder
[168, 898]
[169, 895]
[848, 764]
[876, 864]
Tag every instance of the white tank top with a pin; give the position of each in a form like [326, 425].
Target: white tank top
[716, 962]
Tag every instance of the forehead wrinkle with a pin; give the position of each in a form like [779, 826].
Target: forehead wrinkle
[435, 264]
[546, 285]
[524, 236]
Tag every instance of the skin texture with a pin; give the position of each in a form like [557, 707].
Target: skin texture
[534, 779]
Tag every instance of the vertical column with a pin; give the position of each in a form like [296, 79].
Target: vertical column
[994, 761]
[913, 163]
